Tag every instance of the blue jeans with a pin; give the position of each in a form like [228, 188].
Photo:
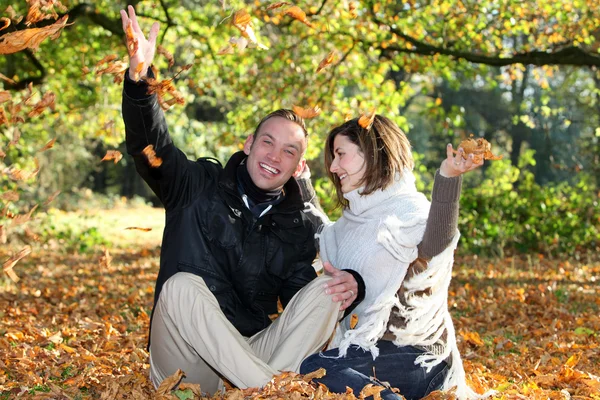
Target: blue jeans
[394, 365]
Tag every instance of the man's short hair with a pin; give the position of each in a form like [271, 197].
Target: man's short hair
[287, 114]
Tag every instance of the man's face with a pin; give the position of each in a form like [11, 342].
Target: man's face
[275, 153]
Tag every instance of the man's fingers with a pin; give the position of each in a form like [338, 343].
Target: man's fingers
[133, 17]
[124, 19]
[153, 34]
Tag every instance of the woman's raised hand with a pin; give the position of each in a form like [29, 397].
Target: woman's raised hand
[455, 165]
[141, 50]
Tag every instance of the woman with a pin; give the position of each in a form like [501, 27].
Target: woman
[403, 248]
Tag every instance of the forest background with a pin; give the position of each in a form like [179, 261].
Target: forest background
[525, 75]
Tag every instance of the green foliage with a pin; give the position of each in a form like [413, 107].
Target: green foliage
[508, 211]
[73, 237]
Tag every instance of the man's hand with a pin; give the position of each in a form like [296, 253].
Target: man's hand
[343, 286]
[142, 54]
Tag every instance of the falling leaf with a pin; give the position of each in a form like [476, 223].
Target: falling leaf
[136, 228]
[108, 59]
[240, 43]
[114, 155]
[47, 101]
[297, 13]
[307, 113]
[242, 21]
[4, 96]
[7, 79]
[353, 321]
[278, 5]
[51, 198]
[30, 38]
[3, 119]
[40, 10]
[12, 261]
[162, 89]
[153, 160]
[352, 9]
[228, 49]
[106, 259]
[22, 218]
[366, 120]
[13, 15]
[168, 55]
[328, 60]
[11, 195]
[132, 42]
[48, 145]
[21, 175]
[16, 136]
[31, 235]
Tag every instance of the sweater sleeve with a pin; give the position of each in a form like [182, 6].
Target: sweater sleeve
[443, 216]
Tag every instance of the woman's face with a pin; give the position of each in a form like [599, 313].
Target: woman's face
[348, 163]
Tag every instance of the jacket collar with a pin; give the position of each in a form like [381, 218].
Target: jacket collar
[228, 181]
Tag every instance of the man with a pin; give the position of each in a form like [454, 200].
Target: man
[236, 240]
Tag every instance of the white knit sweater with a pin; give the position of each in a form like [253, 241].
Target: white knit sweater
[377, 236]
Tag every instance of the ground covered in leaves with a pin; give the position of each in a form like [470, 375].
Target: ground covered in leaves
[75, 324]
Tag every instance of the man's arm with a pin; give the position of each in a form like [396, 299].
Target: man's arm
[174, 180]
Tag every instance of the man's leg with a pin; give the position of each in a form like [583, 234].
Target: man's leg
[302, 329]
[190, 332]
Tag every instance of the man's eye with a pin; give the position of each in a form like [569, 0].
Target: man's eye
[291, 153]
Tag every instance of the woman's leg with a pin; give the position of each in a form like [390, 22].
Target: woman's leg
[394, 365]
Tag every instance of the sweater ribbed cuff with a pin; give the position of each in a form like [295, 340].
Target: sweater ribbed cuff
[446, 190]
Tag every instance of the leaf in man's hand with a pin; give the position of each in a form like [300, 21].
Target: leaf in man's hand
[14, 42]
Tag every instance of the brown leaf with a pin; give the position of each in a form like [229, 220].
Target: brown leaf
[132, 42]
[138, 229]
[371, 390]
[327, 61]
[21, 175]
[297, 13]
[366, 120]
[114, 155]
[106, 259]
[13, 15]
[353, 321]
[30, 38]
[315, 375]
[278, 5]
[43, 9]
[22, 218]
[480, 148]
[51, 198]
[307, 113]
[47, 101]
[170, 383]
[48, 145]
[16, 136]
[11, 195]
[4, 96]
[12, 261]
[168, 55]
[109, 58]
[7, 79]
[472, 338]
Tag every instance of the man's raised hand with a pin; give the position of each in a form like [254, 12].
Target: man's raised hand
[141, 51]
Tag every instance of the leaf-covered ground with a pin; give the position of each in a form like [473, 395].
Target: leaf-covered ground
[75, 325]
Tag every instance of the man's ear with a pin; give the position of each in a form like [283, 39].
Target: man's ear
[300, 168]
[248, 144]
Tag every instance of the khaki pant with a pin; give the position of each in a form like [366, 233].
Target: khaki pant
[191, 333]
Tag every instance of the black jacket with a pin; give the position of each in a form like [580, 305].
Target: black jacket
[247, 262]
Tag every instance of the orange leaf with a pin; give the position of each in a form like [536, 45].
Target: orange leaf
[297, 13]
[4, 96]
[307, 113]
[366, 120]
[242, 21]
[132, 42]
[371, 390]
[328, 60]
[3, 237]
[170, 383]
[48, 145]
[47, 101]
[168, 55]
[106, 60]
[30, 38]
[112, 155]
[11, 195]
[12, 261]
[138, 229]
[277, 5]
[353, 321]
[473, 339]
[153, 160]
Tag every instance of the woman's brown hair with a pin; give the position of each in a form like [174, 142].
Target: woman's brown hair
[386, 150]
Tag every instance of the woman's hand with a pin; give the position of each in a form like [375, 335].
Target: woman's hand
[141, 54]
[457, 165]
